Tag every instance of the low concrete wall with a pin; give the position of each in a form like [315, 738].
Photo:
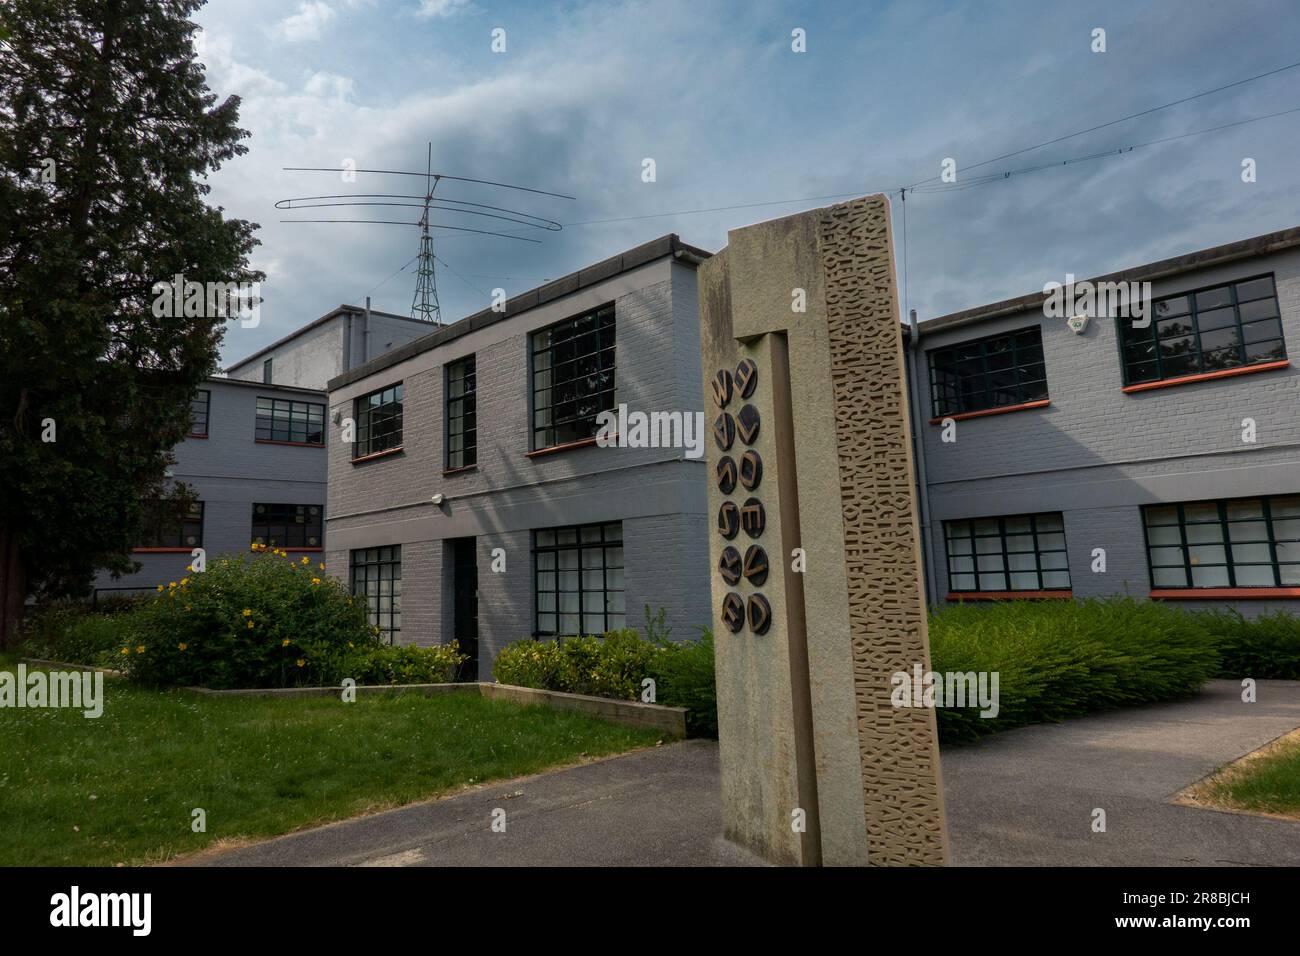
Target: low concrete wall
[60, 666]
[671, 720]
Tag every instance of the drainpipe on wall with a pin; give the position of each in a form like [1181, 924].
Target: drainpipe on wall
[918, 441]
[365, 334]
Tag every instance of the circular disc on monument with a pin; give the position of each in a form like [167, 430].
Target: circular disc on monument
[733, 612]
[729, 565]
[747, 424]
[760, 614]
[726, 475]
[753, 517]
[751, 469]
[729, 520]
[724, 430]
[722, 388]
[746, 377]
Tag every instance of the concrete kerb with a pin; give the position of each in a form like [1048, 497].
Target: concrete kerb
[670, 720]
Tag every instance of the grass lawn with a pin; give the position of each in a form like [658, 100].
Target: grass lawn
[121, 788]
[1266, 781]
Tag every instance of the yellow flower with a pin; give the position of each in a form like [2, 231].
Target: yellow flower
[306, 560]
[182, 646]
[184, 581]
[172, 584]
[300, 662]
[140, 649]
[250, 625]
[350, 644]
[315, 580]
[285, 642]
[126, 650]
[190, 568]
[322, 565]
[189, 607]
[160, 587]
[248, 612]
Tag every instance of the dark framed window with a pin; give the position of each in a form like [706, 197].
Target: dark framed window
[579, 579]
[573, 377]
[1206, 330]
[266, 371]
[166, 524]
[379, 421]
[992, 372]
[288, 526]
[199, 407]
[1234, 543]
[377, 577]
[1014, 553]
[462, 417]
[282, 419]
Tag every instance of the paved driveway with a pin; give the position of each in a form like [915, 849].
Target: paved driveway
[1021, 798]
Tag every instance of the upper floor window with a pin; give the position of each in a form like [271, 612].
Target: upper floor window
[199, 406]
[1239, 543]
[287, 526]
[573, 377]
[266, 371]
[168, 525]
[1016, 553]
[993, 372]
[280, 419]
[379, 421]
[462, 418]
[1222, 327]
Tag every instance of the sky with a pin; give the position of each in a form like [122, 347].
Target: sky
[733, 116]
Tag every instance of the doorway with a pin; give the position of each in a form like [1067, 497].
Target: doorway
[464, 578]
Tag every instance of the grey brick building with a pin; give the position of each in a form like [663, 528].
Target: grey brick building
[472, 500]
[256, 459]
[1175, 449]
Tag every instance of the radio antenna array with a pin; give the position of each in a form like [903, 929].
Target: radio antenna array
[424, 303]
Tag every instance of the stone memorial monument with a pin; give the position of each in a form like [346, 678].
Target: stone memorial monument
[816, 563]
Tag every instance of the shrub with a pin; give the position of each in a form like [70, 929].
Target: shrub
[72, 632]
[1064, 659]
[615, 664]
[684, 677]
[266, 620]
[1264, 647]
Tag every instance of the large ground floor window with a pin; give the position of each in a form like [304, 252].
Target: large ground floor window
[1013, 553]
[1235, 543]
[579, 579]
[287, 526]
[377, 577]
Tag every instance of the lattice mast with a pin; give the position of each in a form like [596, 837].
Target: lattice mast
[424, 305]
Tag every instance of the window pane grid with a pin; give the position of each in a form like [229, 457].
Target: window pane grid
[1233, 543]
[377, 578]
[284, 420]
[1013, 553]
[992, 372]
[579, 579]
[462, 418]
[379, 421]
[167, 527]
[573, 377]
[1206, 330]
[287, 526]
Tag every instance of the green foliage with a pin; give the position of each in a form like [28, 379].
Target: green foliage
[1264, 647]
[107, 137]
[615, 664]
[73, 632]
[1057, 660]
[684, 677]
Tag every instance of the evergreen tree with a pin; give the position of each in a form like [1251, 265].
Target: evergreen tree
[107, 134]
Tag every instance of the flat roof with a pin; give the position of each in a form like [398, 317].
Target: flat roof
[333, 313]
[1201, 259]
[222, 380]
[669, 245]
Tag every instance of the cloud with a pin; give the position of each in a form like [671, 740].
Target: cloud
[306, 24]
[441, 9]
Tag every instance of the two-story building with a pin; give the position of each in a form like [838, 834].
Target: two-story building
[469, 496]
[1156, 456]
[256, 459]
